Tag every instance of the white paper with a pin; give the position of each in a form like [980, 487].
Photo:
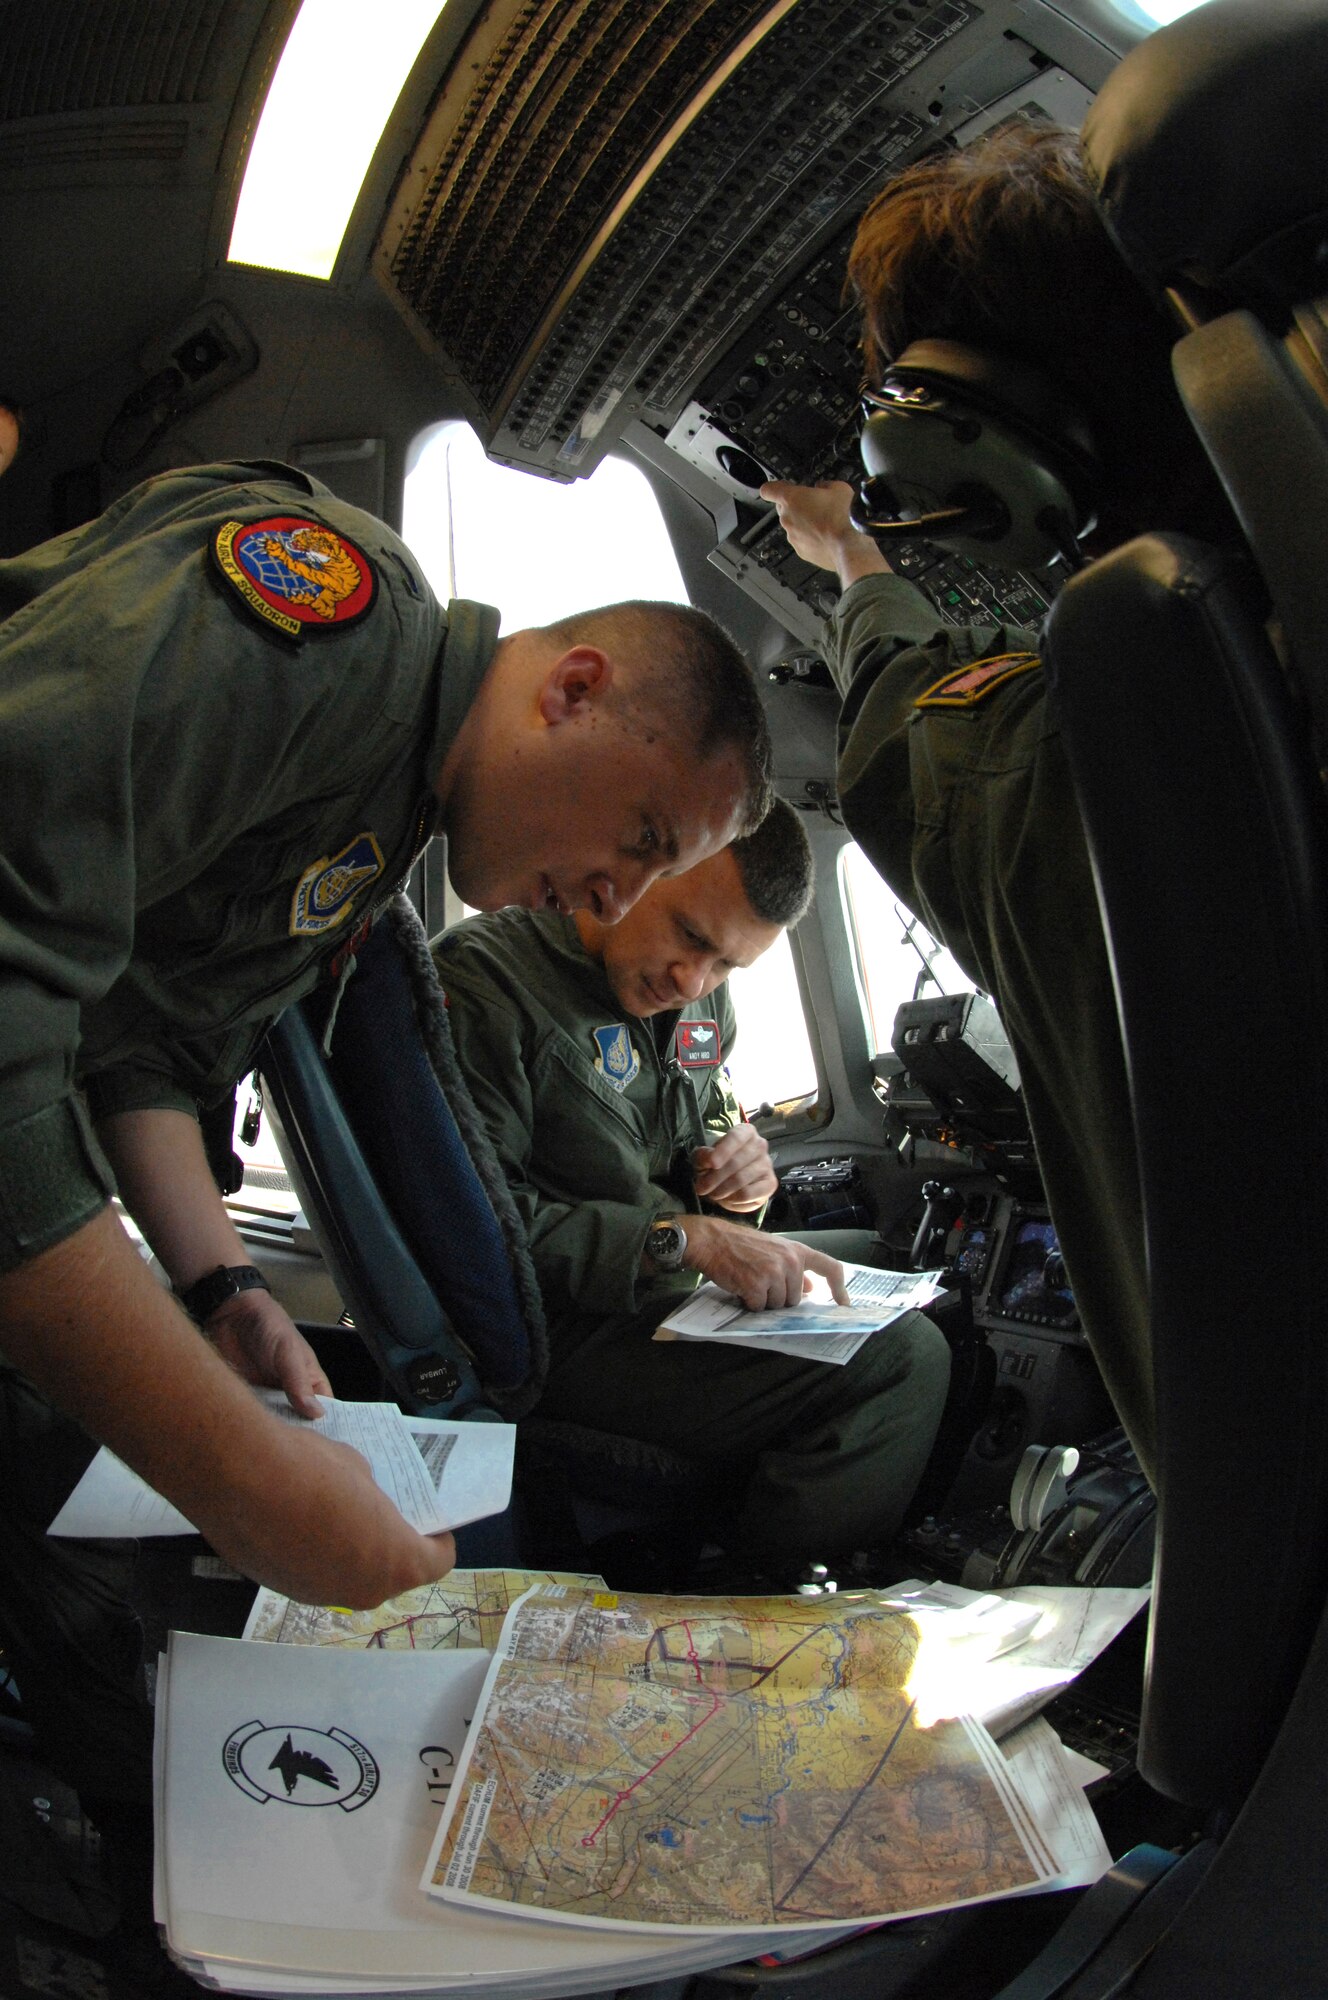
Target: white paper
[110, 1499]
[471, 1480]
[1006, 1687]
[816, 1329]
[379, 1432]
[1041, 1764]
[329, 1895]
[836, 1348]
[470, 1466]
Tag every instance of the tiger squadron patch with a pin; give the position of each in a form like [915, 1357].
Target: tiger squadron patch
[295, 575]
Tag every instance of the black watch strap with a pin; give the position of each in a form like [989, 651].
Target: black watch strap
[201, 1299]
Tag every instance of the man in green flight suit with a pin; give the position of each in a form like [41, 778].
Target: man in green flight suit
[232, 714]
[952, 776]
[595, 1057]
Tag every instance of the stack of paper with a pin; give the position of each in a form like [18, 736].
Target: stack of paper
[439, 1474]
[735, 1764]
[299, 1791]
[625, 1790]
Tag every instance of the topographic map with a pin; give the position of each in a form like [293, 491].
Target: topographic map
[465, 1610]
[723, 1763]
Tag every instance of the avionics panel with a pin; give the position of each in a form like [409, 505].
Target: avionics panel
[606, 192]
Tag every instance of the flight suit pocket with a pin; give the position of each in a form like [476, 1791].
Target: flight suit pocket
[603, 1146]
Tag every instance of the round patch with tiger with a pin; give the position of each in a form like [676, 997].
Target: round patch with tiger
[296, 575]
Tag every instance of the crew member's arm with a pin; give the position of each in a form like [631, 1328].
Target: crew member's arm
[167, 1186]
[761, 1270]
[880, 616]
[816, 521]
[87, 1322]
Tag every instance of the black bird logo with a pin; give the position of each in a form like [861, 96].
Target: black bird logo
[293, 1764]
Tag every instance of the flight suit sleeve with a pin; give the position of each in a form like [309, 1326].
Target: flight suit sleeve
[124, 773]
[910, 779]
[587, 1252]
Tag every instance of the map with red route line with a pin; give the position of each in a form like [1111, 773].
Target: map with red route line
[723, 1763]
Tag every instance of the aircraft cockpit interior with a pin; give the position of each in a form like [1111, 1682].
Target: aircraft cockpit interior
[606, 233]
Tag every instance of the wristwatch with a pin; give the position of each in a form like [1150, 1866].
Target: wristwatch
[201, 1299]
[665, 1244]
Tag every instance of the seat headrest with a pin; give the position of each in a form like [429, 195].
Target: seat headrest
[1207, 148]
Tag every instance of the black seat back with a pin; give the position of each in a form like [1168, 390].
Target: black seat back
[1206, 824]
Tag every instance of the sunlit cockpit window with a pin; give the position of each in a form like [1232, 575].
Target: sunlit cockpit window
[1162, 11]
[329, 101]
[535, 549]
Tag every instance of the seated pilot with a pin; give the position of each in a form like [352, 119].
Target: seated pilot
[952, 776]
[595, 1055]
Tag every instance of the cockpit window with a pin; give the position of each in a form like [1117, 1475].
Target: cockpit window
[773, 1062]
[898, 959]
[1159, 12]
[536, 549]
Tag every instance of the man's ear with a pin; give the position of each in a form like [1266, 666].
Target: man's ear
[582, 676]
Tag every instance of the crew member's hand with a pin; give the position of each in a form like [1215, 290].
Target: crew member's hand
[735, 1172]
[262, 1344]
[816, 522]
[88, 1324]
[303, 1516]
[760, 1270]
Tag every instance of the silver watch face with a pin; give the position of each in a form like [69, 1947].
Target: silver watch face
[665, 1245]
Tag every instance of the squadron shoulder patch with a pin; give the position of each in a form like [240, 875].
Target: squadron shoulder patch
[969, 685]
[617, 1061]
[294, 574]
[328, 887]
[697, 1044]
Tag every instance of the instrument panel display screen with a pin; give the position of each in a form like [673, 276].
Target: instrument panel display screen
[1033, 1283]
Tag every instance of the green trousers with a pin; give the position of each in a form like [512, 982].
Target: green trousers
[824, 1459]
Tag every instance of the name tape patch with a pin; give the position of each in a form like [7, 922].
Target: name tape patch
[295, 575]
[697, 1044]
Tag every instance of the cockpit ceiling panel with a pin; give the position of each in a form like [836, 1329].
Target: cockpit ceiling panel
[606, 189]
[65, 57]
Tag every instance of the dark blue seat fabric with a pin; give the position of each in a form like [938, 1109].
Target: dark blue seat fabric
[390, 1039]
[401, 1185]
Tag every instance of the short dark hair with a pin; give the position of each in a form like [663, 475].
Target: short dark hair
[1000, 245]
[775, 863]
[695, 684]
